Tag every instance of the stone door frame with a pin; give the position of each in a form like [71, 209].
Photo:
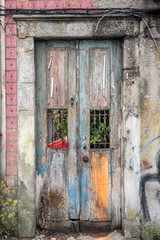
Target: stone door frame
[31, 28]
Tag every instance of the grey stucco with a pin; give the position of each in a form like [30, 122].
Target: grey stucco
[139, 101]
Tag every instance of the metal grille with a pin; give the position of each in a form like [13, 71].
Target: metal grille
[57, 128]
[99, 129]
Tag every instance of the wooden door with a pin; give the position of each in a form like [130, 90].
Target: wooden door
[78, 99]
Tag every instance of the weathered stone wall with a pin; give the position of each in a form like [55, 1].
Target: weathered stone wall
[140, 103]
[150, 134]
[140, 134]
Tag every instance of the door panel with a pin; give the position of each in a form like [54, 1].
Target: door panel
[80, 81]
[99, 77]
[101, 180]
[95, 75]
[73, 175]
[58, 67]
[63, 75]
[58, 185]
[85, 169]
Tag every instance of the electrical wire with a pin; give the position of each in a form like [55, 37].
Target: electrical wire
[79, 11]
[151, 35]
[88, 11]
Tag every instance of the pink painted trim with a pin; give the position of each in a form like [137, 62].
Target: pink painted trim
[12, 122]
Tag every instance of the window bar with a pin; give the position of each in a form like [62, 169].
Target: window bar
[99, 126]
[105, 137]
[62, 121]
[94, 125]
[51, 116]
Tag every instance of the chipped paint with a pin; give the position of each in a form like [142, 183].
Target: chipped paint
[65, 173]
[101, 189]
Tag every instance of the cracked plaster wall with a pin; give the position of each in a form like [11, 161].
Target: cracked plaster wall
[141, 135]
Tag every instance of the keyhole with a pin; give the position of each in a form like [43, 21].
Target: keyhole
[85, 147]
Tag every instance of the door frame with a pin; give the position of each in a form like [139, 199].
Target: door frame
[71, 27]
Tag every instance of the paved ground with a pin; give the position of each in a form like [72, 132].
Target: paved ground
[80, 236]
[44, 235]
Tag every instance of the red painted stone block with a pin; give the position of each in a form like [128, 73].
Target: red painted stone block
[22, 4]
[90, 4]
[11, 134]
[12, 181]
[11, 100]
[46, 5]
[56, 4]
[11, 41]
[12, 146]
[11, 122]
[11, 4]
[69, 3]
[59, 4]
[11, 29]
[34, 5]
[51, 4]
[9, 19]
[12, 169]
[11, 53]
[11, 76]
[80, 4]
[11, 111]
[11, 88]
[11, 64]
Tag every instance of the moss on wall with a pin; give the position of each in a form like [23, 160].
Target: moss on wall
[150, 231]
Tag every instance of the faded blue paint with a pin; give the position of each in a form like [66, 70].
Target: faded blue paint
[113, 61]
[84, 187]
[58, 160]
[84, 130]
[115, 91]
[41, 109]
[74, 198]
[79, 190]
[73, 176]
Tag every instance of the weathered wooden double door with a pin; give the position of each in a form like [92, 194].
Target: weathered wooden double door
[77, 130]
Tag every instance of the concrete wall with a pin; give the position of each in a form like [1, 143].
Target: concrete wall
[144, 114]
[140, 101]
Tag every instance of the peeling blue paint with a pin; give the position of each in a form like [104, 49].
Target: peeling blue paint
[74, 198]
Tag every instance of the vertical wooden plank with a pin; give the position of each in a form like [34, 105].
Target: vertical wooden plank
[58, 185]
[41, 130]
[100, 162]
[74, 201]
[57, 64]
[63, 70]
[97, 85]
[41, 109]
[54, 193]
[99, 77]
[85, 171]
[115, 119]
